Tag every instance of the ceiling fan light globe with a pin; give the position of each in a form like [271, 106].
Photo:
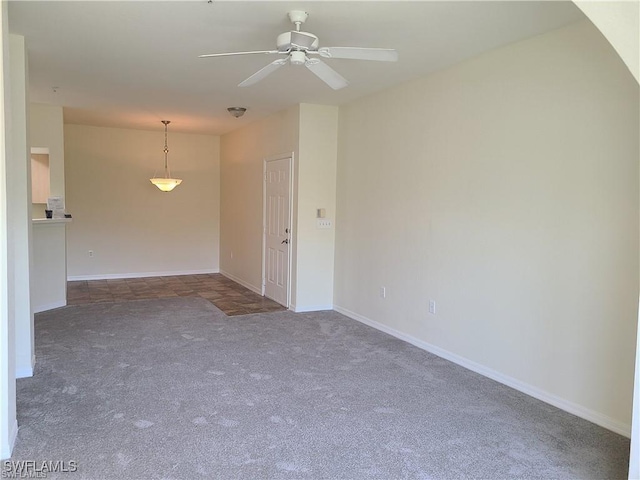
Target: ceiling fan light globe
[298, 58]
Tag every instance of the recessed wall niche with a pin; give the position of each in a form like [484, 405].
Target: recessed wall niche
[40, 183]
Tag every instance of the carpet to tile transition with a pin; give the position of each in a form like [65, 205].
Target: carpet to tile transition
[173, 388]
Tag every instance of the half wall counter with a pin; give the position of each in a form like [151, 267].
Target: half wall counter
[49, 281]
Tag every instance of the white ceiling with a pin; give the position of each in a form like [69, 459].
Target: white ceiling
[132, 64]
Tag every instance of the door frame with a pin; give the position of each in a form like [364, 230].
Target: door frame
[283, 156]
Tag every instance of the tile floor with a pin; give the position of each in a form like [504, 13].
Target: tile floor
[229, 296]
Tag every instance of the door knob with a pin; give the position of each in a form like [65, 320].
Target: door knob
[286, 240]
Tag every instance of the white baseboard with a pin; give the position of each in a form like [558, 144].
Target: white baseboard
[49, 306]
[115, 276]
[26, 371]
[230, 276]
[311, 308]
[13, 435]
[5, 453]
[573, 408]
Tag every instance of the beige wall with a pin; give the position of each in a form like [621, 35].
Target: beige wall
[310, 133]
[133, 228]
[619, 22]
[242, 153]
[313, 289]
[505, 189]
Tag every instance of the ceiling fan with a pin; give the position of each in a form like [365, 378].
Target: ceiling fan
[301, 48]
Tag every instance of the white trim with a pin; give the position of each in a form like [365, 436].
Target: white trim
[114, 276]
[49, 306]
[292, 238]
[50, 221]
[24, 372]
[263, 277]
[8, 423]
[312, 308]
[13, 435]
[634, 456]
[253, 288]
[573, 408]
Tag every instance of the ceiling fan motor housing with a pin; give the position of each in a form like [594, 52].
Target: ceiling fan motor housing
[284, 41]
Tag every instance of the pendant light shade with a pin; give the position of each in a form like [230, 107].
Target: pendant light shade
[166, 183]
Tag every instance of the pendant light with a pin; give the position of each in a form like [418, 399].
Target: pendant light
[166, 183]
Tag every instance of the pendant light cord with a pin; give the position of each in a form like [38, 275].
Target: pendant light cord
[167, 174]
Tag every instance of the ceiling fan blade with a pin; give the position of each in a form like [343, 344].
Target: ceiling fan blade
[238, 53]
[263, 72]
[327, 74]
[357, 53]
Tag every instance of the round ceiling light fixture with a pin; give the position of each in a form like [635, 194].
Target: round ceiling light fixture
[236, 111]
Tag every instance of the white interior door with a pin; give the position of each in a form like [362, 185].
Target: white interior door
[277, 228]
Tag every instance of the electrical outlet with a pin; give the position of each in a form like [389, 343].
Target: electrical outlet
[91, 253]
[383, 292]
[432, 307]
[323, 223]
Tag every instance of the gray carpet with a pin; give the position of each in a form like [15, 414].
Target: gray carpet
[173, 388]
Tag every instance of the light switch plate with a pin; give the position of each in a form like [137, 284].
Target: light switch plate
[323, 223]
